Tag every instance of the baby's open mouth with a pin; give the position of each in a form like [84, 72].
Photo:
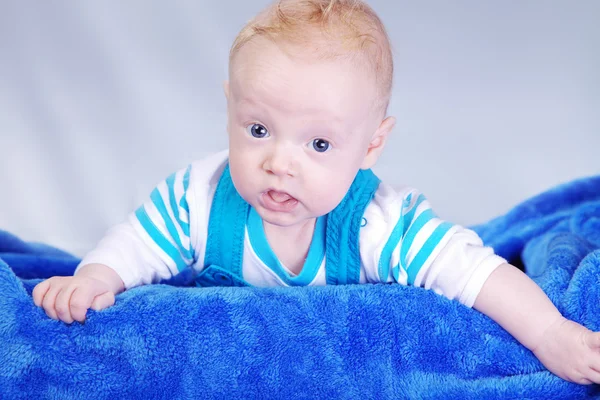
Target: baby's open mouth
[279, 201]
[279, 197]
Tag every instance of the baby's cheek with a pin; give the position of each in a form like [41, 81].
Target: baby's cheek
[329, 193]
[240, 176]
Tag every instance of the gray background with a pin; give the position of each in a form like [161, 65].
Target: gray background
[100, 100]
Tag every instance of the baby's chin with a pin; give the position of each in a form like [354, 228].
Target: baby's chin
[285, 219]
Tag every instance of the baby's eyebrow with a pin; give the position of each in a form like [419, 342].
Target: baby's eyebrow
[335, 124]
[334, 129]
[248, 102]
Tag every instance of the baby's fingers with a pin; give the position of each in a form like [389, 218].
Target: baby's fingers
[80, 302]
[39, 292]
[592, 340]
[83, 299]
[593, 376]
[62, 304]
[103, 301]
[50, 300]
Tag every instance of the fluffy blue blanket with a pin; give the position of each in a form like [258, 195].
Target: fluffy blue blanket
[357, 341]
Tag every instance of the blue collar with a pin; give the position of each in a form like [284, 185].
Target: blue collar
[316, 252]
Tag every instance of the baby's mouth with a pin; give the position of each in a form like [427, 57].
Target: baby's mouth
[279, 201]
[279, 197]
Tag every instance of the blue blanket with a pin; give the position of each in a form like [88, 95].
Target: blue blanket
[356, 341]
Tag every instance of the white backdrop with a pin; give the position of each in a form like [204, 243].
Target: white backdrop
[100, 100]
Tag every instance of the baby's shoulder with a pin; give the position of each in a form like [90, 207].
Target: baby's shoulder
[389, 205]
[210, 163]
[389, 199]
[384, 211]
[379, 225]
[207, 171]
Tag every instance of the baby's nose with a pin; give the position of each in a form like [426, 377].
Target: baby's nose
[279, 163]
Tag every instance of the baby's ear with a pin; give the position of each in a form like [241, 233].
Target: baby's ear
[378, 142]
[226, 89]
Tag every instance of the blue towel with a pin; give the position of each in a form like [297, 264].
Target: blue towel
[341, 342]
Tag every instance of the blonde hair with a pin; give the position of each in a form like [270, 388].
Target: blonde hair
[331, 29]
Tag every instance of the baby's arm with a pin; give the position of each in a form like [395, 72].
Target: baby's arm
[566, 348]
[454, 262]
[154, 244]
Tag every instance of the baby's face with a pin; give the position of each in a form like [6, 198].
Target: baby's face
[299, 131]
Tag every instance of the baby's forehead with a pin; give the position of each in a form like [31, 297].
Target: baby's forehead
[264, 59]
[261, 53]
[294, 79]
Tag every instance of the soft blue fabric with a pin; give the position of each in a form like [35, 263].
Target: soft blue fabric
[353, 341]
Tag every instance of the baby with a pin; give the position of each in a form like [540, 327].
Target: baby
[293, 202]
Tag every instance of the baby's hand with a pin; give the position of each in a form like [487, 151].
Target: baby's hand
[68, 298]
[571, 351]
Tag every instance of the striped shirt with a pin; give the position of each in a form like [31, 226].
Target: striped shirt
[401, 241]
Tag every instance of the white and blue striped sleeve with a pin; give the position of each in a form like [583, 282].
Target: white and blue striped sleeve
[155, 242]
[438, 255]
[163, 222]
[404, 241]
[423, 236]
[461, 267]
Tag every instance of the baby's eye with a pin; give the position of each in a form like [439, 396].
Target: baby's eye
[258, 131]
[321, 145]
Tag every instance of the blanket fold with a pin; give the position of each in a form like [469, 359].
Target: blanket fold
[355, 341]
